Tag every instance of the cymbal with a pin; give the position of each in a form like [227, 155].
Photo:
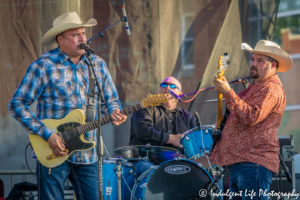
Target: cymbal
[155, 154]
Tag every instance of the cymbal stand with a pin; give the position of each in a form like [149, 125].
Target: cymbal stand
[215, 181]
[119, 175]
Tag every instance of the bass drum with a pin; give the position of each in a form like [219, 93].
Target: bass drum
[172, 180]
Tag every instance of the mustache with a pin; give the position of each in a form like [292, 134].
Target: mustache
[253, 67]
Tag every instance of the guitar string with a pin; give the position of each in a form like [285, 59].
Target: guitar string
[72, 133]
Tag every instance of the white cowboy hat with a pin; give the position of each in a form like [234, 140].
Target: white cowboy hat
[273, 50]
[65, 22]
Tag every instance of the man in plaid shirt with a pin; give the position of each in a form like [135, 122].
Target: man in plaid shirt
[59, 82]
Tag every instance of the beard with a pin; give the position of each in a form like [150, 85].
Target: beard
[254, 74]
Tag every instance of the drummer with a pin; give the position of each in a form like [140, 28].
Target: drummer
[160, 125]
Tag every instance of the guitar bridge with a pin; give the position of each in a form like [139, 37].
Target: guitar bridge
[50, 157]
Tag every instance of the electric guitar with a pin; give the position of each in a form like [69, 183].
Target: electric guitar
[222, 66]
[72, 127]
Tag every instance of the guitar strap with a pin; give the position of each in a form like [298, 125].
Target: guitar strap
[91, 107]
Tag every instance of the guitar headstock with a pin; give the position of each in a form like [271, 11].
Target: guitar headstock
[154, 100]
[223, 63]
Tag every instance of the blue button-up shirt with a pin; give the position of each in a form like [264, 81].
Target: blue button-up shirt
[60, 86]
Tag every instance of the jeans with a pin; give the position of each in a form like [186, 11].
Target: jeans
[84, 178]
[249, 180]
[141, 167]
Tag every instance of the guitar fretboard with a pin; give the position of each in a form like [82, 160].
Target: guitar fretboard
[75, 132]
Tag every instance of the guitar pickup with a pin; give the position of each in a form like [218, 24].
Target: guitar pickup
[50, 157]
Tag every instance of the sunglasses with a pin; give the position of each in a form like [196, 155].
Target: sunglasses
[172, 86]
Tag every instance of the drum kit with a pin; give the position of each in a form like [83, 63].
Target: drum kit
[176, 175]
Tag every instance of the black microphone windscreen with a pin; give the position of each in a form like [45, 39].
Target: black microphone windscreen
[82, 45]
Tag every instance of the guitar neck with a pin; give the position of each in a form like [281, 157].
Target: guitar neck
[219, 110]
[105, 120]
[223, 62]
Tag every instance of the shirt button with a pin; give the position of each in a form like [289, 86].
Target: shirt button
[170, 120]
[170, 131]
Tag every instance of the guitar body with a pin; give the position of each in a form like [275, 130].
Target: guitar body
[74, 140]
[41, 147]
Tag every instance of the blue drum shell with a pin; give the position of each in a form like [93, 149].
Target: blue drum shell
[196, 142]
[110, 180]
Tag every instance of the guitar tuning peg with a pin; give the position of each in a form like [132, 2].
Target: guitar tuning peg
[155, 96]
[151, 96]
[165, 95]
[158, 95]
[147, 96]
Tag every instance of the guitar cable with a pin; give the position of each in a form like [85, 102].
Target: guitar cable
[49, 172]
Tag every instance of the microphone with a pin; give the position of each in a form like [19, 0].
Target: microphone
[125, 18]
[174, 95]
[86, 47]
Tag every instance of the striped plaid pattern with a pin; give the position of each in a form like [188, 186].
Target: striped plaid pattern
[59, 86]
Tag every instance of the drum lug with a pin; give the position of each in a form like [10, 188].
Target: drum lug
[199, 165]
[155, 167]
[187, 138]
[108, 191]
[143, 185]
[178, 158]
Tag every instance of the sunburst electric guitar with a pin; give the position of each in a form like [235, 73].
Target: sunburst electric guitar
[72, 127]
[222, 66]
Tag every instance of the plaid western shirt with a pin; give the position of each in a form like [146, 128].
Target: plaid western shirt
[60, 86]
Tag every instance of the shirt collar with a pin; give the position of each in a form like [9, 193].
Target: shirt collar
[63, 57]
[177, 109]
[273, 77]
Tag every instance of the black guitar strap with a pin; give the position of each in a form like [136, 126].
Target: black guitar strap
[91, 107]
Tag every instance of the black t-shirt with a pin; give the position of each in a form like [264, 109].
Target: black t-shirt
[154, 124]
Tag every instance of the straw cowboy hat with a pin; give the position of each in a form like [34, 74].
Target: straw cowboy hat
[273, 50]
[65, 22]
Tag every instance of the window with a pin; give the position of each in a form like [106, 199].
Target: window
[187, 50]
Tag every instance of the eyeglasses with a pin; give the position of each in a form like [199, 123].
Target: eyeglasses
[172, 86]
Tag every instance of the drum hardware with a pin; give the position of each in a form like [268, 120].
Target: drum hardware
[108, 189]
[118, 178]
[195, 142]
[154, 154]
[119, 175]
[213, 183]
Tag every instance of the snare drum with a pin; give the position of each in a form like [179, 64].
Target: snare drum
[172, 180]
[110, 178]
[196, 142]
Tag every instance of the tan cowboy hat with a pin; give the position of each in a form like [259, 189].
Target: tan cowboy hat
[65, 22]
[273, 50]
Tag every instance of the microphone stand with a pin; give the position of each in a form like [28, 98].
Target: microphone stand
[99, 138]
[209, 88]
[100, 99]
[287, 174]
[124, 19]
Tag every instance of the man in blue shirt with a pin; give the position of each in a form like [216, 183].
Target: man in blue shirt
[59, 82]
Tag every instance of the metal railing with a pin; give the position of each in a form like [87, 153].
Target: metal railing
[12, 173]
[16, 172]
